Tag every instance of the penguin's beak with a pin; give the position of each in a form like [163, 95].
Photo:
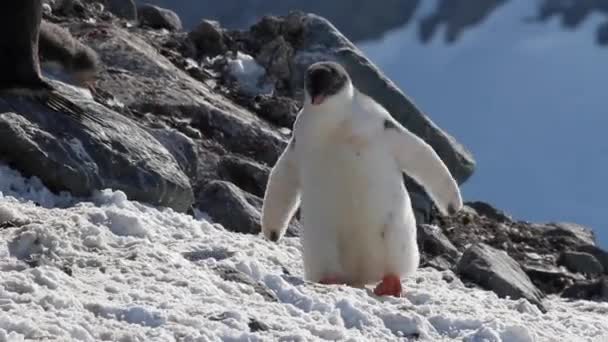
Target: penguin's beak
[317, 99]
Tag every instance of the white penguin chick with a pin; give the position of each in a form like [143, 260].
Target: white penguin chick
[344, 163]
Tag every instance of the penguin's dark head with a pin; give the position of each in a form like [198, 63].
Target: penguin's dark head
[324, 80]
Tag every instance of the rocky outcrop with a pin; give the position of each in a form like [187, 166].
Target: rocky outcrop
[158, 18]
[235, 209]
[122, 8]
[436, 249]
[80, 157]
[555, 256]
[580, 262]
[361, 24]
[496, 270]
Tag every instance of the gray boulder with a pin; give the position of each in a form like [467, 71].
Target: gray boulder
[434, 242]
[487, 210]
[495, 270]
[144, 80]
[80, 157]
[234, 209]
[436, 249]
[181, 147]
[208, 38]
[122, 8]
[247, 175]
[158, 18]
[590, 289]
[600, 254]
[581, 262]
[320, 40]
[579, 234]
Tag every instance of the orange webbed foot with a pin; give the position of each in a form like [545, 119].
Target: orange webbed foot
[389, 286]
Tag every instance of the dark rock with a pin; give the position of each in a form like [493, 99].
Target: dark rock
[581, 262]
[235, 209]
[589, 289]
[581, 234]
[122, 8]
[255, 325]
[226, 204]
[281, 111]
[433, 243]
[485, 209]
[208, 38]
[158, 18]
[440, 263]
[181, 147]
[495, 270]
[550, 279]
[81, 157]
[600, 254]
[204, 254]
[277, 56]
[231, 274]
[247, 175]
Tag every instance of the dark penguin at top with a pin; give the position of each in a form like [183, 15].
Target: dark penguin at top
[19, 60]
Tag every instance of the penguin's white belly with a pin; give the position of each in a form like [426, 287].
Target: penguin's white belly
[357, 219]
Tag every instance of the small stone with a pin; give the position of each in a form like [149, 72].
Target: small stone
[158, 18]
[255, 325]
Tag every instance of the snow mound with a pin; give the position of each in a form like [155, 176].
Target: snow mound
[110, 269]
[248, 73]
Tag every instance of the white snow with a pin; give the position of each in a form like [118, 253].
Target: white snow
[248, 73]
[107, 268]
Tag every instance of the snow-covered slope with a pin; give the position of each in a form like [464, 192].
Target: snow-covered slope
[112, 269]
[529, 101]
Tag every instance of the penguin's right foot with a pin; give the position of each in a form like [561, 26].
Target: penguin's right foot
[390, 286]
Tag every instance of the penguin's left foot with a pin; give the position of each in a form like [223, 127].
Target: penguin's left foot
[390, 286]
